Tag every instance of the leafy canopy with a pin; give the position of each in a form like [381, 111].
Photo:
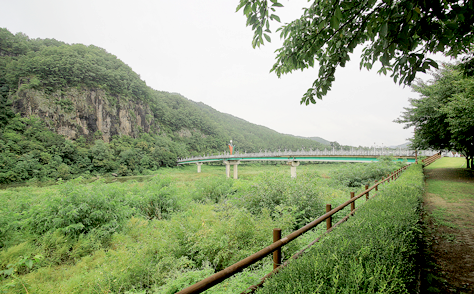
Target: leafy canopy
[397, 33]
[443, 116]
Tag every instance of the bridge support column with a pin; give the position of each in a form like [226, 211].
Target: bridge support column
[228, 163]
[293, 165]
[199, 166]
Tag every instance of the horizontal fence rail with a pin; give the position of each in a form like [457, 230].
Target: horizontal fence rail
[279, 243]
[431, 159]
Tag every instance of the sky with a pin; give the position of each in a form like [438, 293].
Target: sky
[202, 50]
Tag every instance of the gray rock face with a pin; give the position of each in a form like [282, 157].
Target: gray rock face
[92, 113]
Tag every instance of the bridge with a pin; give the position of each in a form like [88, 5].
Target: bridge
[293, 158]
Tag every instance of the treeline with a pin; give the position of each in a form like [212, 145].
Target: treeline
[31, 152]
[185, 127]
[56, 65]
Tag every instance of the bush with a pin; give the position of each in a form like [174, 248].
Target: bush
[359, 174]
[80, 209]
[159, 200]
[212, 189]
[277, 193]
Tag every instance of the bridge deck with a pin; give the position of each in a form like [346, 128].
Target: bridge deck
[345, 158]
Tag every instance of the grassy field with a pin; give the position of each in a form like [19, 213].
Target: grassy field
[161, 233]
[448, 162]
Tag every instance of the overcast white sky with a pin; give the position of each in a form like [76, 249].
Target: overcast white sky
[202, 50]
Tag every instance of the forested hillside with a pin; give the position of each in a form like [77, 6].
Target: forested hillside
[69, 110]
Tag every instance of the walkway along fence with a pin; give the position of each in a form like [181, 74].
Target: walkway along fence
[275, 247]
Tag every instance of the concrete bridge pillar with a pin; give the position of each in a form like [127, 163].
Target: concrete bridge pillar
[228, 163]
[199, 166]
[293, 165]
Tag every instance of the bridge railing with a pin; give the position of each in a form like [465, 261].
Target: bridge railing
[316, 152]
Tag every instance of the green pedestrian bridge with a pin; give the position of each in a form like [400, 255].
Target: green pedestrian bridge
[293, 158]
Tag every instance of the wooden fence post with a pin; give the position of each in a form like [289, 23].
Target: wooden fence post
[367, 194]
[329, 219]
[276, 253]
[353, 203]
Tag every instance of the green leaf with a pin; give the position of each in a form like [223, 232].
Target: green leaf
[247, 9]
[267, 37]
[338, 13]
[334, 22]
[9, 271]
[276, 4]
[275, 17]
[384, 29]
[29, 263]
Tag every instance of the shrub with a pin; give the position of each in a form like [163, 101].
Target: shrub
[80, 209]
[277, 193]
[359, 174]
[212, 189]
[159, 200]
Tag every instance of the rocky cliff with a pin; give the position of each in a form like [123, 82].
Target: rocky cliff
[92, 113]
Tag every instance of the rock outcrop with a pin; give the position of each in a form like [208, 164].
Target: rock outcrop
[92, 113]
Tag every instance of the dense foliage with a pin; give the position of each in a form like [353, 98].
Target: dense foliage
[57, 65]
[160, 235]
[398, 34]
[443, 116]
[31, 151]
[363, 174]
[166, 234]
[375, 252]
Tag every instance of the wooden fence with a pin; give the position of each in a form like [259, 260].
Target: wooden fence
[427, 161]
[278, 242]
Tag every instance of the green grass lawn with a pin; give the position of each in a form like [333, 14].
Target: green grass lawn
[448, 162]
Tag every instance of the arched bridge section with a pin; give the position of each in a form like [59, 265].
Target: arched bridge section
[293, 158]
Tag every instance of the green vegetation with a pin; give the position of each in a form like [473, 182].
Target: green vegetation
[159, 235]
[31, 151]
[357, 175]
[443, 116]
[374, 252]
[398, 34]
[448, 162]
[448, 228]
[452, 192]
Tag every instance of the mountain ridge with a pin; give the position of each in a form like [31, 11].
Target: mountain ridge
[80, 110]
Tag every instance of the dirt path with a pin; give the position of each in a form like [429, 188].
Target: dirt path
[449, 231]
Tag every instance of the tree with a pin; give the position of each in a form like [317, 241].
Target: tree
[443, 116]
[397, 33]
[6, 112]
[460, 118]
